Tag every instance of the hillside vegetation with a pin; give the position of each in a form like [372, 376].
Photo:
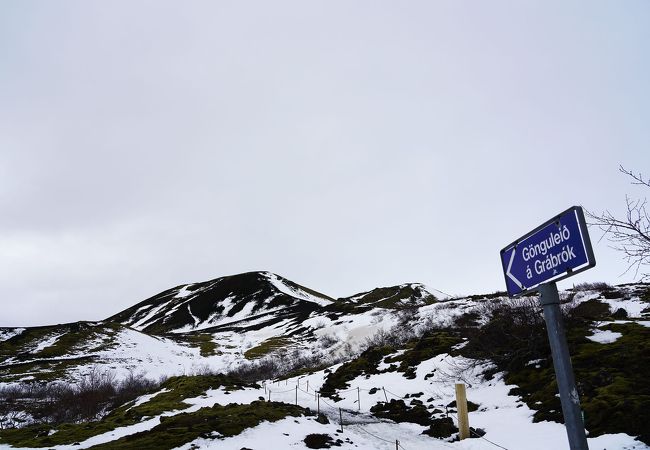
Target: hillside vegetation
[385, 371]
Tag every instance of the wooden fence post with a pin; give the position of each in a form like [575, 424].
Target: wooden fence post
[296, 395]
[341, 419]
[385, 396]
[461, 407]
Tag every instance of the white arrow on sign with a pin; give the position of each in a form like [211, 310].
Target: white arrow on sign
[511, 276]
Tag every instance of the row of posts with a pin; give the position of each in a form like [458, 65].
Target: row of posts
[461, 406]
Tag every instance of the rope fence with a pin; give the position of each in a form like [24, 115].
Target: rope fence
[479, 436]
[354, 418]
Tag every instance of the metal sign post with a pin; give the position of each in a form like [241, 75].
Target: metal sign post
[557, 249]
[575, 429]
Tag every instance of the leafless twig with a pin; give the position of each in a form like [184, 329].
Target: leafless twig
[629, 234]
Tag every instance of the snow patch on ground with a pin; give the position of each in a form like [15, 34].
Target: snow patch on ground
[584, 296]
[353, 330]
[152, 356]
[45, 343]
[142, 323]
[445, 313]
[435, 292]
[8, 333]
[633, 307]
[184, 292]
[283, 434]
[293, 292]
[197, 321]
[604, 336]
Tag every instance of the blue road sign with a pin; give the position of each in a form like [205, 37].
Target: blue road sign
[555, 250]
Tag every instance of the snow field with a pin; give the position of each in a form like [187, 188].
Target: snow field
[506, 419]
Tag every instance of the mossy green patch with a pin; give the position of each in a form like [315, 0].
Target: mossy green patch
[644, 293]
[514, 336]
[432, 343]
[229, 420]
[492, 296]
[341, 307]
[471, 406]
[21, 343]
[179, 388]
[611, 380]
[204, 341]
[398, 411]
[267, 347]
[319, 440]
[53, 362]
[442, 427]
[69, 337]
[591, 310]
[366, 363]
[394, 297]
[42, 371]
[37, 435]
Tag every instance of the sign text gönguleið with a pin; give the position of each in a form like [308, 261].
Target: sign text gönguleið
[555, 250]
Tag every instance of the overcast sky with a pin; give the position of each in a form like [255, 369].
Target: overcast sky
[342, 144]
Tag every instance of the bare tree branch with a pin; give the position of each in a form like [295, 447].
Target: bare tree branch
[638, 179]
[629, 234]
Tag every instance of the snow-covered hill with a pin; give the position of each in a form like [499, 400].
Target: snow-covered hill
[248, 300]
[62, 352]
[216, 325]
[388, 358]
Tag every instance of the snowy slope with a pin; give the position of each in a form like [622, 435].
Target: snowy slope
[243, 320]
[222, 303]
[506, 420]
[241, 316]
[66, 351]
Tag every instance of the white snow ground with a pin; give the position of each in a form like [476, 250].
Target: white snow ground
[507, 420]
[604, 336]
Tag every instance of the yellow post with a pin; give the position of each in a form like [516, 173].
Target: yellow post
[461, 406]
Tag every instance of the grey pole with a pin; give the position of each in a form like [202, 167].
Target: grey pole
[575, 429]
